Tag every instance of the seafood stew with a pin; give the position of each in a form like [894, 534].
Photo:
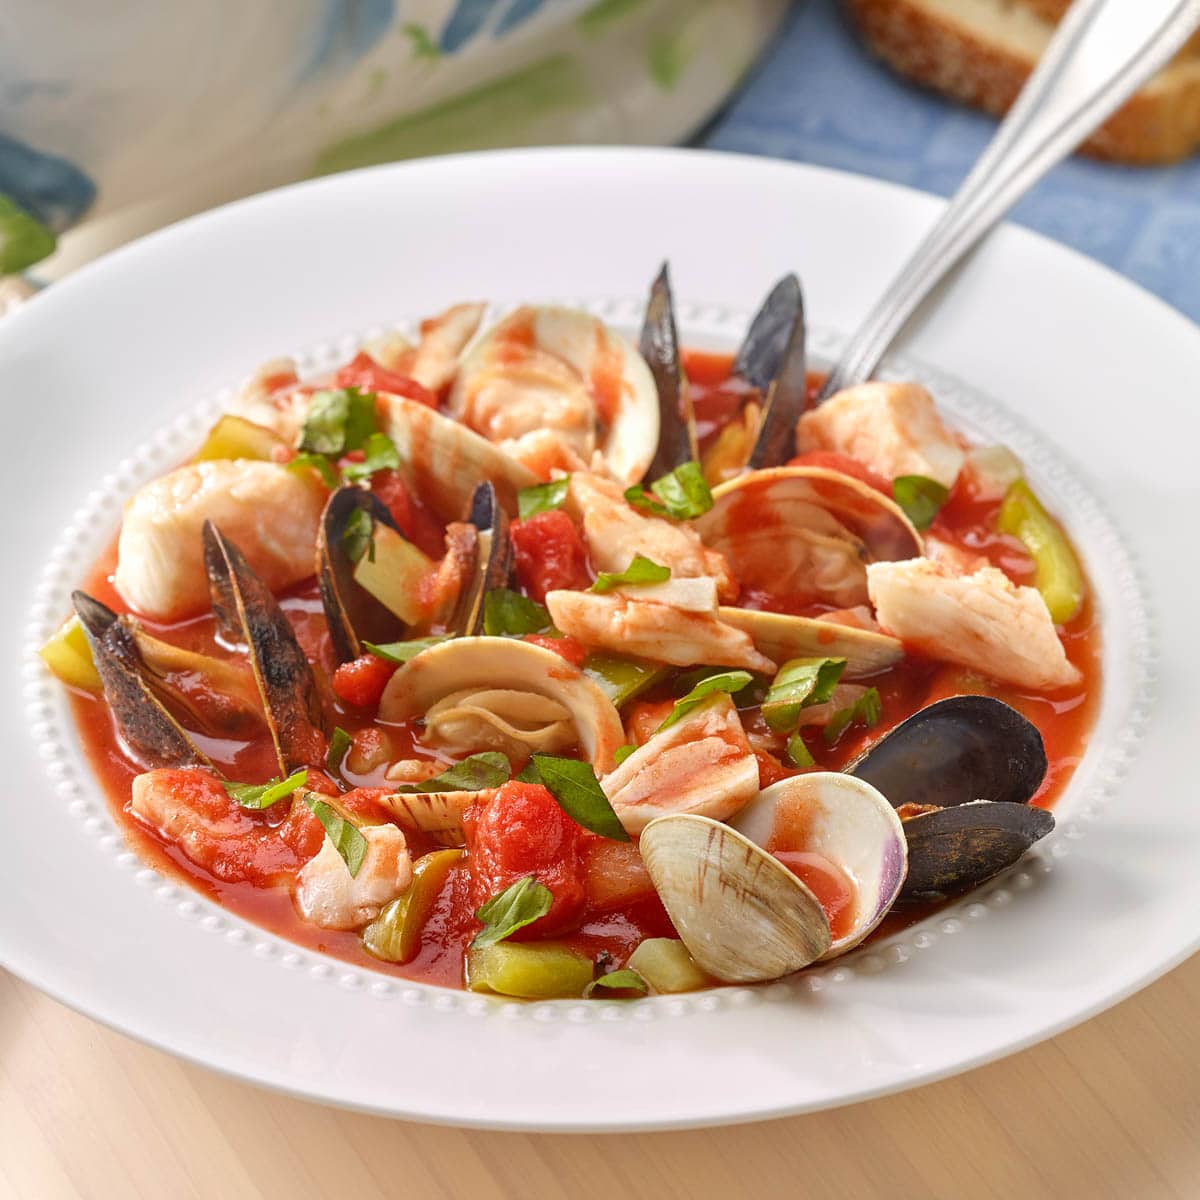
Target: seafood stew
[527, 659]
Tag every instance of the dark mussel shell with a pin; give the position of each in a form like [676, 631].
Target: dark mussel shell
[353, 614]
[493, 565]
[150, 733]
[952, 850]
[774, 359]
[955, 751]
[246, 611]
[659, 346]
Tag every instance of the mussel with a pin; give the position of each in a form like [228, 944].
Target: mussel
[965, 768]
[659, 345]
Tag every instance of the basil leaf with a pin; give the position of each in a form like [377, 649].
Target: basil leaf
[868, 708]
[379, 454]
[625, 980]
[727, 681]
[339, 744]
[487, 770]
[920, 498]
[682, 494]
[621, 753]
[402, 652]
[509, 614]
[641, 570]
[622, 678]
[319, 463]
[263, 795]
[339, 421]
[579, 794]
[358, 536]
[798, 753]
[529, 773]
[799, 683]
[542, 498]
[520, 904]
[347, 839]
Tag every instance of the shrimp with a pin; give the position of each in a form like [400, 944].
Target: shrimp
[329, 896]
[615, 531]
[702, 764]
[892, 428]
[269, 512]
[654, 631]
[983, 621]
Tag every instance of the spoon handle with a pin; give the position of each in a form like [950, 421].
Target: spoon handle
[1101, 53]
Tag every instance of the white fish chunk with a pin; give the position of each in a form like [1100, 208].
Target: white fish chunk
[983, 621]
[654, 631]
[702, 764]
[270, 513]
[326, 894]
[893, 428]
[443, 340]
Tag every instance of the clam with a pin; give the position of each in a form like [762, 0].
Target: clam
[966, 769]
[493, 693]
[742, 914]
[546, 369]
[444, 461]
[438, 815]
[247, 612]
[849, 825]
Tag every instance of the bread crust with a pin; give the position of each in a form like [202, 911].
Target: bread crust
[1160, 124]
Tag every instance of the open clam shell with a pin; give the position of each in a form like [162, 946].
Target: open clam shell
[956, 751]
[742, 914]
[247, 612]
[489, 692]
[850, 825]
[781, 636]
[951, 850]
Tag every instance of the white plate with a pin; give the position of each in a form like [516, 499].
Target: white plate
[1058, 353]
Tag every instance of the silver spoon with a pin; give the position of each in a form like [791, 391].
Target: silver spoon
[1102, 52]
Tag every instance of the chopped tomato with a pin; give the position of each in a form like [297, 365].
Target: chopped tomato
[645, 716]
[361, 680]
[550, 554]
[412, 519]
[369, 376]
[522, 831]
[770, 769]
[565, 647]
[365, 802]
[844, 463]
[615, 874]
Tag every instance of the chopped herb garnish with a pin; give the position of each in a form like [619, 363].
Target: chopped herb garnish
[867, 709]
[263, 795]
[920, 498]
[542, 498]
[319, 463]
[682, 494]
[799, 683]
[798, 753]
[520, 904]
[487, 770]
[402, 652]
[621, 753]
[625, 980]
[358, 537]
[339, 743]
[731, 682]
[347, 839]
[339, 421]
[509, 614]
[579, 794]
[640, 571]
[379, 454]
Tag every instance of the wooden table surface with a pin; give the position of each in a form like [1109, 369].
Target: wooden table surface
[1109, 1109]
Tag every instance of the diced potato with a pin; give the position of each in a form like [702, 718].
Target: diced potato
[235, 437]
[666, 965]
[395, 935]
[395, 576]
[69, 657]
[541, 971]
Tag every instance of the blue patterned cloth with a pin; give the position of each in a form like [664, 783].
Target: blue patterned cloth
[818, 97]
